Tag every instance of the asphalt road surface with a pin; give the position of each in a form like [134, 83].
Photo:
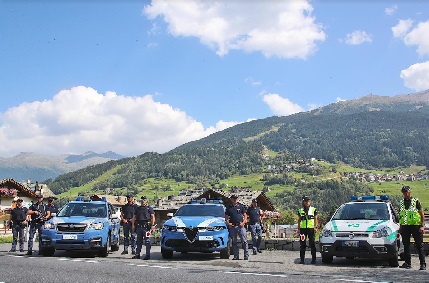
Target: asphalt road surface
[270, 266]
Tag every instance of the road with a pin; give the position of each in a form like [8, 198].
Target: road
[270, 266]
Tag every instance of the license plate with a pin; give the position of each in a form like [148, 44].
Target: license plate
[205, 238]
[350, 243]
[69, 237]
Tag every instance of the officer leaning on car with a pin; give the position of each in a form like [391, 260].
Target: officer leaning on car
[52, 207]
[39, 214]
[236, 217]
[255, 222]
[127, 214]
[143, 223]
[18, 220]
[307, 223]
[411, 220]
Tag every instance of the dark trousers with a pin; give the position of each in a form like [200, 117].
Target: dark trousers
[33, 228]
[141, 238]
[406, 232]
[240, 232]
[18, 231]
[127, 231]
[256, 232]
[308, 233]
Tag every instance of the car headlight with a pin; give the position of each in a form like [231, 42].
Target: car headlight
[96, 226]
[49, 225]
[383, 232]
[169, 227]
[326, 233]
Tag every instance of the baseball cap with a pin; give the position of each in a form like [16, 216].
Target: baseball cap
[406, 189]
[129, 196]
[143, 198]
[20, 200]
[40, 196]
[305, 198]
[234, 196]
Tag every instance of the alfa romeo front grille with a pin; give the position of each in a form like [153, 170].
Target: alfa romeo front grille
[191, 234]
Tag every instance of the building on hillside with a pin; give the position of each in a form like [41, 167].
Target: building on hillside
[10, 191]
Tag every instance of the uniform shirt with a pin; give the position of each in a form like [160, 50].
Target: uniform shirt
[407, 203]
[128, 210]
[235, 213]
[143, 213]
[52, 208]
[253, 214]
[38, 207]
[19, 214]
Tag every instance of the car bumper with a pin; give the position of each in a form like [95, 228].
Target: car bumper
[203, 242]
[88, 241]
[363, 250]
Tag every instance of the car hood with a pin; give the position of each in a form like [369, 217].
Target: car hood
[77, 219]
[195, 221]
[355, 225]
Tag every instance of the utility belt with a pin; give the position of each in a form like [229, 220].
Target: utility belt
[254, 223]
[144, 223]
[19, 223]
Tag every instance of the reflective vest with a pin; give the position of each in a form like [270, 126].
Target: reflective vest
[307, 220]
[411, 215]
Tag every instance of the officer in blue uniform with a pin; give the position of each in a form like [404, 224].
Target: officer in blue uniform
[236, 217]
[38, 214]
[143, 223]
[127, 214]
[255, 221]
[18, 218]
[52, 207]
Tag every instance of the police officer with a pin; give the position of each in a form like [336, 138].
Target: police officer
[38, 214]
[18, 218]
[143, 223]
[411, 220]
[52, 207]
[255, 221]
[307, 223]
[127, 214]
[236, 217]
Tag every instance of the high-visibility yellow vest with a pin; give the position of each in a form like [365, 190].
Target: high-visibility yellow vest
[411, 215]
[307, 220]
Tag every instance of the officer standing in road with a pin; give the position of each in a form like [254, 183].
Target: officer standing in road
[255, 224]
[39, 214]
[307, 223]
[236, 217]
[411, 220]
[18, 220]
[143, 223]
[52, 207]
[127, 214]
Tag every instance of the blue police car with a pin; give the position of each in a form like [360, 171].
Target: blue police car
[198, 226]
[82, 225]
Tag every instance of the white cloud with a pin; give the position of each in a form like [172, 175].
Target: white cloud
[401, 29]
[284, 29]
[419, 36]
[281, 106]
[81, 119]
[391, 10]
[357, 37]
[416, 76]
[252, 82]
[339, 99]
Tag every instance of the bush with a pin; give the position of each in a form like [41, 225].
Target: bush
[6, 239]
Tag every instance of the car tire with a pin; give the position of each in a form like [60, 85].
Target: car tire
[104, 252]
[327, 259]
[394, 260]
[166, 254]
[226, 252]
[47, 251]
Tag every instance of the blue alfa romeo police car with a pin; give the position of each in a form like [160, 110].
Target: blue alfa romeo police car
[82, 225]
[198, 226]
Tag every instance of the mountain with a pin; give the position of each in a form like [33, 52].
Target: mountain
[369, 132]
[38, 167]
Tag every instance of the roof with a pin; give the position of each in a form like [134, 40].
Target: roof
[22, 190]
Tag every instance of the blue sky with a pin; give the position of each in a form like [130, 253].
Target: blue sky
[137, 76]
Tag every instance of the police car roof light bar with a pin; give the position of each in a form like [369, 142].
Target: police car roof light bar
[103, 199]
[79, 199]
[370, 198]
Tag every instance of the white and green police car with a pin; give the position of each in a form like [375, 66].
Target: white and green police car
[365, 227]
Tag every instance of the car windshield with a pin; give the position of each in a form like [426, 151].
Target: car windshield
[201, 210]
[86, 209]
[361, 210]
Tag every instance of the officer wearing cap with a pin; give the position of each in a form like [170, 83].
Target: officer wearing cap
[143, 223]
[255, 225]
[18, 220]
[38, 214]
[127, 214]
[52, 207]
[411, 220]
[307, 223]
[236, 217]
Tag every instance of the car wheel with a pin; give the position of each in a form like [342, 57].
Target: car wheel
[226, 252]
[166, 254]
[327, 259]
[394, 261]
[48, 251]
[105, 251]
